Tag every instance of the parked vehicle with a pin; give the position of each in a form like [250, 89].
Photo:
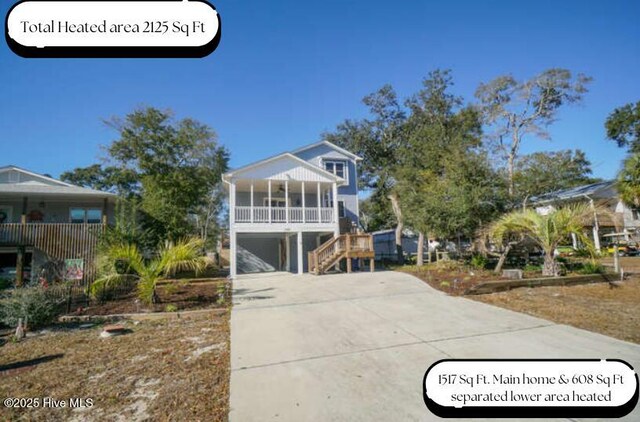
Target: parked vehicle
[624, 248]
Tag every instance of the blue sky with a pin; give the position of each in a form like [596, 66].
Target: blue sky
[286, 71]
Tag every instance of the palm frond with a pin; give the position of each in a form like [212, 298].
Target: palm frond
[184, 255]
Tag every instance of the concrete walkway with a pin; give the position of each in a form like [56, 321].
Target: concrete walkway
[355, 347]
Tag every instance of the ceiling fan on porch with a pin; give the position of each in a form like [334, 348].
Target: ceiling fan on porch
[281, 187]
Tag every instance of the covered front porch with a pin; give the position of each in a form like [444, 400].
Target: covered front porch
[284, 201]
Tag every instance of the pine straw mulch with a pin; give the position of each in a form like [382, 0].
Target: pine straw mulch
[449, 276]
[168, 369]
[596, 307]
[183, 295]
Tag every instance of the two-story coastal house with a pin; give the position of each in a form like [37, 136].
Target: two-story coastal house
[47, 223]
[283, 208]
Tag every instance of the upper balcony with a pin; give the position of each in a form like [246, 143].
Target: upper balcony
[274, 204]
[284, 193]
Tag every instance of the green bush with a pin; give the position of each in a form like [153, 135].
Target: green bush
[171, 308]
[34, 304]
[5, 283]
[592, 268]
[532, 268]
[479, 262]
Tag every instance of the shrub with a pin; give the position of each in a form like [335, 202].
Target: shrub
[170, 288]
[171, 308]
[34, 304]
[221, 291]
[479, 262]
[592, 268]
[5, 283]
[532, 268]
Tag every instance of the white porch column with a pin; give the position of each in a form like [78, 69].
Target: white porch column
[232, 203]
[288, 251]
[335, 202]
[300, 260]
[286, 199]
[319, 196]
[596, 237]
[596, 227]
[304, 206]
[269, 196]
[233, 252]
[252, 200]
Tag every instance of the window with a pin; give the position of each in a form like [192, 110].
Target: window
[339, 168]
[94, 216]
[85, 215]
[342, 210]
[635, 212]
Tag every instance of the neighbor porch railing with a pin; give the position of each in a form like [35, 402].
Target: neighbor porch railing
[244, 214]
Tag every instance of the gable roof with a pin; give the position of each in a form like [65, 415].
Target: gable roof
[229, 175]
[330, 145]
[574, 193]
[49, 179]
[45, 185]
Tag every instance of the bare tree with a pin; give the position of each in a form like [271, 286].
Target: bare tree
[514, 109]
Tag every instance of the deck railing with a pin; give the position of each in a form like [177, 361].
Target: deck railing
[243, 214]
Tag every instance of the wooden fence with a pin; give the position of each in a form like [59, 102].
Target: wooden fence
[57, 241]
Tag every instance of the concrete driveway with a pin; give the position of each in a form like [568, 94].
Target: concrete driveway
[356, 346]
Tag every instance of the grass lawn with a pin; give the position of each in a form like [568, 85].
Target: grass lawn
[596, 307]
[166, 369]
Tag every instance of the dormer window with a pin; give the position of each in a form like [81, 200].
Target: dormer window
[337, 167]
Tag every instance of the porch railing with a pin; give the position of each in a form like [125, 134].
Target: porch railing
[243, 214]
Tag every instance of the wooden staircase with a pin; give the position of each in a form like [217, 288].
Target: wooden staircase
[344, 246]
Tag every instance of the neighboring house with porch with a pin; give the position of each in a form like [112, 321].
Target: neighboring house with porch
[47, 225]
[618, 218]
[287, 212]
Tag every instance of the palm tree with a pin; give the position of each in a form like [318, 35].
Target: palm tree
[547, 231]
[119, 262]
[629, 180]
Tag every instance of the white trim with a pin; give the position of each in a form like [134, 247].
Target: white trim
[334, 161]
[335, 203]
[227, 177]
[288, 253]
[233, 254]
[252, 200]
[300, 255]
[304, 205]
[329, 144]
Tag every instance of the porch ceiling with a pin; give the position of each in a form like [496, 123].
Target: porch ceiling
[278, 186]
